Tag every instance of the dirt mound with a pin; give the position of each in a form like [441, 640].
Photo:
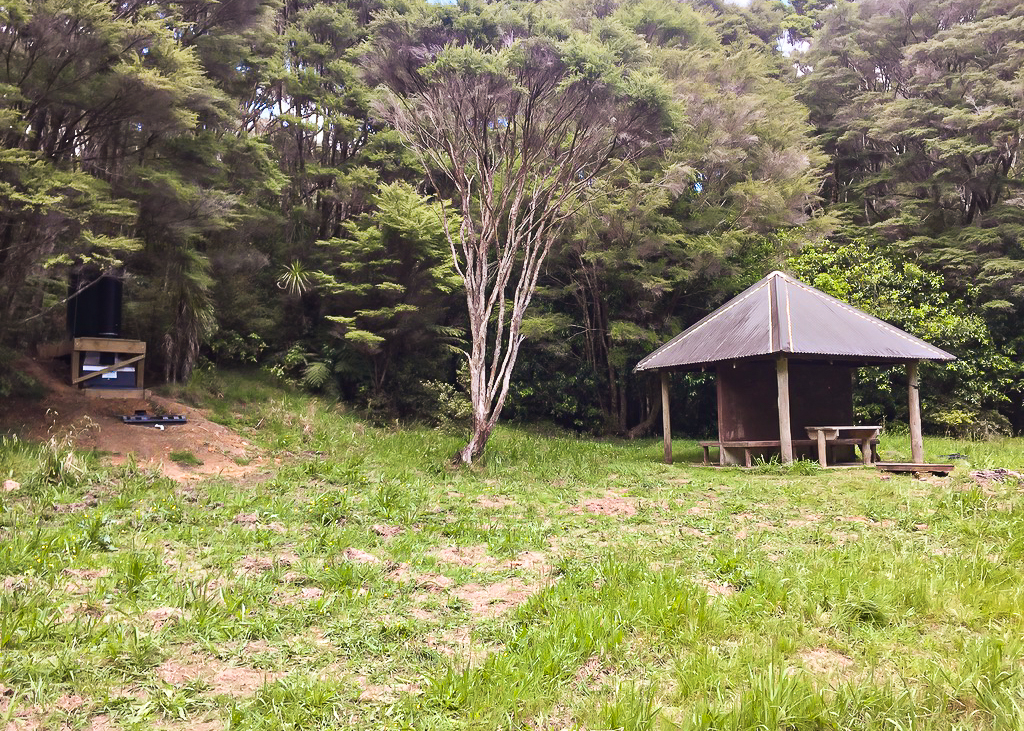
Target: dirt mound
[96, 424]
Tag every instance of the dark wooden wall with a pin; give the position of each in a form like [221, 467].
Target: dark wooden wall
[819, 395]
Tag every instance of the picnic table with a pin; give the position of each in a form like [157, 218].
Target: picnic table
[862, 435]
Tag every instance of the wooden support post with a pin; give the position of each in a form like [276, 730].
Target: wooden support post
[822, 449]
[666, 419]
[785, 427]
[914, 404]
[76, 365]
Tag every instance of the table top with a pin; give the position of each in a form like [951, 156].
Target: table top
[852, 426]
[832, 432]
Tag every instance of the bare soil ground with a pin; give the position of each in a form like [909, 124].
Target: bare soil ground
[95, 423]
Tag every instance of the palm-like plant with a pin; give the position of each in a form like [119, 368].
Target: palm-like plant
[295, 278]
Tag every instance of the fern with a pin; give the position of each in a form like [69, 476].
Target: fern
[316, 375]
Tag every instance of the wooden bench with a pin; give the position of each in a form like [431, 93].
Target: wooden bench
[747, 445]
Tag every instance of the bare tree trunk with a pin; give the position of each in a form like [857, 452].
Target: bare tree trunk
[475, 446]
[645, 426]
[521, 146]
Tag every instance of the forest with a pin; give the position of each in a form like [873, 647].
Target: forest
[446, 212]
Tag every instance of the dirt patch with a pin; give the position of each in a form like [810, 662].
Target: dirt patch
[532, 561]
[356, 556]
[475, 556]
[401, 573]
[87, 574]
[493, 502]
[823, 661]
[254, 565]
[608, 505]
[33, 718]
[387, 531]
[842, 537]
[83, 580]
[223, 679]
[592, 674]
[434, 582]
[67, 410]
[430, 582]
[804, 520]
[863, 520]
[18, 582]
[83, 611]
[458, 642]
[715, 588]
[101, 722]
[254, 521]
[23, 718]
[305, 594]
[373, 693]
[69, 703]
[161, 616]
[494, 599]
[745, 531]
[421, 615]
[89, 501]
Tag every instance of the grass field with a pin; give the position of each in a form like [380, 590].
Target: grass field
[563, 584]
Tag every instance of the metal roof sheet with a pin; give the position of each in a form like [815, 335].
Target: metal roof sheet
[781, 314]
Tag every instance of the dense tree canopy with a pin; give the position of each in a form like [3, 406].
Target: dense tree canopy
[365, 196]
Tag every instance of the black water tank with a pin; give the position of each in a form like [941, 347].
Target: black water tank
[94, 305]
[108, 301]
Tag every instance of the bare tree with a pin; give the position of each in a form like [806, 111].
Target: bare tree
[517, 132]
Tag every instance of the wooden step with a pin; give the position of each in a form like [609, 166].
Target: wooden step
[938, 469]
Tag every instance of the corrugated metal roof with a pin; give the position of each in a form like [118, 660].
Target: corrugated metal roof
[781, 314]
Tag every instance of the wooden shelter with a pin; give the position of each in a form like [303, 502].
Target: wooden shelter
[785, 354]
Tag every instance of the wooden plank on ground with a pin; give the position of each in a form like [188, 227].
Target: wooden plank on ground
[942, 469]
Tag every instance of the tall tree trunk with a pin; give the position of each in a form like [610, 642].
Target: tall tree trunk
[645, 426]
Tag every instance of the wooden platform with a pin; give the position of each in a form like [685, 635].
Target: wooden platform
[134, 349]
[938, 469]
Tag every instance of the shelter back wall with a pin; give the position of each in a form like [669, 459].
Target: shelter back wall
[819, 394]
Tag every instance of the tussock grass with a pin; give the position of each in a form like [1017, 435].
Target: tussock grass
[561, 584]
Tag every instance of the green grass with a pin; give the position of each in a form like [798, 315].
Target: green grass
[562, 583]
[185, 458]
